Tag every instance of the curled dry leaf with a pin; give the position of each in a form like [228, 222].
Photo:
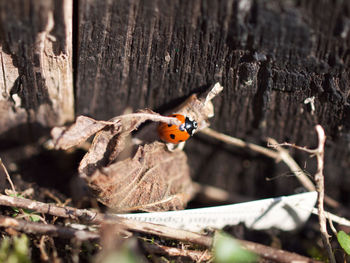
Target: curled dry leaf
[106, 177]
[154, 179]
[108, 144]
[200, 108]
[81, 130]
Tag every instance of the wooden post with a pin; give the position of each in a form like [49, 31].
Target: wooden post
[36, 81]
[283, 65]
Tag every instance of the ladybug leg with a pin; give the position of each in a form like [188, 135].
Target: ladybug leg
[180, 146]
[175, 147]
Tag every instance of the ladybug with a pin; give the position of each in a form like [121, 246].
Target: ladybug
[176, 134]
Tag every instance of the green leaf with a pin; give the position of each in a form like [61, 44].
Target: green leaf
[15, 250]
[344, 241]
[228, 250]
[21, 244]
[4, 248]
[34, 218]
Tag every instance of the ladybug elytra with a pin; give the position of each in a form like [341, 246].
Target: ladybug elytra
[176, 134]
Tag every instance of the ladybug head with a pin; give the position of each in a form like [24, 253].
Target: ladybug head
[190, 125]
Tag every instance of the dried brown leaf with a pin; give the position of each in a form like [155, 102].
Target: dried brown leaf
[200, 108]
[153, 180]
[82, 129]
[107, 145]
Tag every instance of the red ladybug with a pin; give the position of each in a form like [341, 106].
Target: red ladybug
[176, 134]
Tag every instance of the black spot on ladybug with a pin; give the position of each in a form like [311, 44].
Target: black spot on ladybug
[180, 140]
[169, 125]
[172, 136]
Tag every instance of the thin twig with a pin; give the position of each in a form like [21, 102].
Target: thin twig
[289, 161]
[292, 164]
[66, 212]
[319, 179]
[334, 218]
[292, 145]
[208, 193]
[98, 218]
[43, 254]
[46, 229]
[240, 143]
[274, 254]
[129, 224]
[164, 231]
[296, 169]
[53, 197]
[8, 176]
[278, 155]
[332, 226]
[196, 256]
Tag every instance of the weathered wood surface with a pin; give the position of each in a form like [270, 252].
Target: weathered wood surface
[36, 81]
[269, 55]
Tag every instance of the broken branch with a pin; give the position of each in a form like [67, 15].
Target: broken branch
[98, 218]
[132, 225]
[319, 179]
[46, 229]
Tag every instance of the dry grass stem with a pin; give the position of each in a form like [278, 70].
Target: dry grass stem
[332, 226]
[292, 145]
[296, 169]
[240, 143]
[292, 164]
[319, 179]
[334, 218]
[283, 155]
[8, 176]
[278, 155]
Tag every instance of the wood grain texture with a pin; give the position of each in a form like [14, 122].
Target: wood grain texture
[36, 83]
[269, 55]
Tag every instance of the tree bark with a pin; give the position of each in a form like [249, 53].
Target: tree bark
[269, 55]
[36, 83]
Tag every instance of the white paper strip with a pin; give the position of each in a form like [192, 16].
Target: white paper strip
[285, 213]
